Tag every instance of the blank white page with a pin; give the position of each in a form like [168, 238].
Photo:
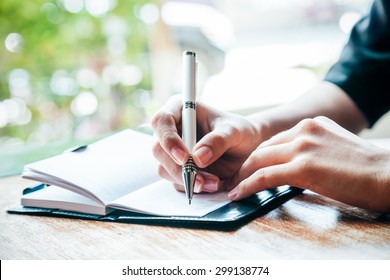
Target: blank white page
[162, 199]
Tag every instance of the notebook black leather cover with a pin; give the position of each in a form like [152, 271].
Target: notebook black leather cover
[228, 217]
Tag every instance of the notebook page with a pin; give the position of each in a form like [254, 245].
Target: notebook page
[162, 199]
[58, 198]
[109, 168]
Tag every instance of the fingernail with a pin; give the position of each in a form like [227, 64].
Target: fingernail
[198, 186]
[178, 154]
[204, 155]
[210, 185]
[233, 194]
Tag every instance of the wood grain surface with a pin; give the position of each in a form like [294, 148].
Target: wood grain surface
[307, 227]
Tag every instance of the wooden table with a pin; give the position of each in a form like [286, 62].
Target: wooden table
[307, 227]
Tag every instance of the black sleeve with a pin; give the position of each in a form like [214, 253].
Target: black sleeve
[363, 70]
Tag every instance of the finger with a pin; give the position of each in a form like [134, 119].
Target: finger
[165, 124]
[170, 170]
[199, 181]
[204, 182]
[264, 157]
[214, 144]
[305, 127]
[168, 166]
[262, 179]
[163, 173]
[179, 187]
[210, 183]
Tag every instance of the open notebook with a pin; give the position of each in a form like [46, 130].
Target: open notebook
[116, 179]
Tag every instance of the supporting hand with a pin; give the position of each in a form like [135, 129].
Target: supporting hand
[319, 155]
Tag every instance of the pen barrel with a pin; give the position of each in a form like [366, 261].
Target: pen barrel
[189, 128]
[189, 100]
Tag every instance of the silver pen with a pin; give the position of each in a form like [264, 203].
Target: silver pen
[189, 170]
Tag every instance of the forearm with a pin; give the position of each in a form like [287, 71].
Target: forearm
[325, 99]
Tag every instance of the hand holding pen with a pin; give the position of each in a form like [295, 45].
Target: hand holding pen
[225, 142]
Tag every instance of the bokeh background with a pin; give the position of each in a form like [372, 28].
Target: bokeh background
[76, 70]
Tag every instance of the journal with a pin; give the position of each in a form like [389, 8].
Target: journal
[115, 179]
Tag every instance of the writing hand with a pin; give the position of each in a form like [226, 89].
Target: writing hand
[224, 142]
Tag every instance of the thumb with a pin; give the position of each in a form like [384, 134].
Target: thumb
[212, 146]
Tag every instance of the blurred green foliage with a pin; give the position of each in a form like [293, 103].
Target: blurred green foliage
[56, 41]
[66, 70]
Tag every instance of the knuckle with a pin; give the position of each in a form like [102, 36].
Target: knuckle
[305, 165]
[155, 119]
[161, 171]
[160, 118]
[167, 137]
[310, 126]
[231, 130]
[178, 187]
[166, 173]
[167, 117]
[260, 178]
[174, 172]
[164, 125]
[304, 144]
[252, 159]
[156, 149]
[221, 138]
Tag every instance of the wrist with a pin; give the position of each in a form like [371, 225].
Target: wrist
[261, 128]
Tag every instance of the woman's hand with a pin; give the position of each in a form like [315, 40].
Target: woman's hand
[224, 142]
[319, 155]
